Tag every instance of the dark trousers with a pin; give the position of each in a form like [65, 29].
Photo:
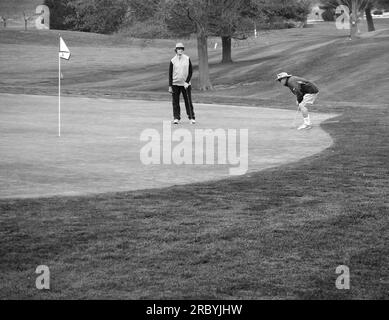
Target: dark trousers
[186, 93]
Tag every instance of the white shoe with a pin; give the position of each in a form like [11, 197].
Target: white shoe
[193, 121]
[304, 126]
[176, 121]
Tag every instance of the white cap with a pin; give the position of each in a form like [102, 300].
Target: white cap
[180, 45]
[283, 75]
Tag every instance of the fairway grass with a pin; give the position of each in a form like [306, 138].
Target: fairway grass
[275, 234]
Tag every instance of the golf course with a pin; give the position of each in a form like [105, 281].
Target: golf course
[110, 227]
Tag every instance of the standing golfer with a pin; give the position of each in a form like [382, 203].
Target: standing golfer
[180, 74]
[305, 91]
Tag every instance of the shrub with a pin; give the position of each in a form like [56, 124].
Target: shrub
[101, 16]
[328, 15]
[146, 30]
[59, 11]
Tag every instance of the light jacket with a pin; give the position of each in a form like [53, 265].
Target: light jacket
[180, 71]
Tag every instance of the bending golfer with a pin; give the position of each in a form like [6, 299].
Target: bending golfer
[180, 74]
[305, 91]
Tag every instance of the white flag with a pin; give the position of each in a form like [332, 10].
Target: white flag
[64, 51]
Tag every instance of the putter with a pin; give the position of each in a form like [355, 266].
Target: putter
[295, 116]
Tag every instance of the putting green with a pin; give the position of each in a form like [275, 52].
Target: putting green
[99, 147]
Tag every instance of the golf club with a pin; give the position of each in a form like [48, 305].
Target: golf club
[295, 116]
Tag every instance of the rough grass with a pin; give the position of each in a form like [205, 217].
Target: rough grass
[276, 234]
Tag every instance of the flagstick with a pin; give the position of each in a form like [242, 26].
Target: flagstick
[59, 94]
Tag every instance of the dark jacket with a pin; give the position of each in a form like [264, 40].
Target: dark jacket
[300, 87]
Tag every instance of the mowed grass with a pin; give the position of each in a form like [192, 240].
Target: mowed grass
[117, 66]
[275, 234]
[15, 8]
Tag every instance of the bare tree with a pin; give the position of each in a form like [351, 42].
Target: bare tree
[369, 17]
[192, 16]
[381, 4]
[228, 19]
[356, 7]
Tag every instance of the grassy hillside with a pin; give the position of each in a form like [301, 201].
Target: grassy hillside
[344, 70]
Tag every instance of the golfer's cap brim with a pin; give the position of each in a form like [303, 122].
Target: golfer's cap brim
[279, 79]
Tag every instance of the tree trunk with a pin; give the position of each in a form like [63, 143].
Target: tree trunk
[353, 29]
[369, 19]
[202, 50]
[226, 43]
[354, 20]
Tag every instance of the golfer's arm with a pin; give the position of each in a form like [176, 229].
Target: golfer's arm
[300, 96]
[171, 74]
[190, 71]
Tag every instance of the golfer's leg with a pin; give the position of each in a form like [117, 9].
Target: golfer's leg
[189, 91]
[188, 103]
[176, 102]
[304, 111]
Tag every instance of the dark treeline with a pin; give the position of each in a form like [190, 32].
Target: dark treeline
[156, 18]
